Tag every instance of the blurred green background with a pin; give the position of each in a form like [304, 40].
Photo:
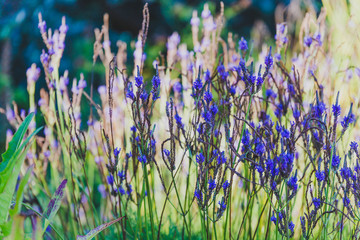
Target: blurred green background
[21, 43]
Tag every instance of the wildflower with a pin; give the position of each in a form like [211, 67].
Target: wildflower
[336, 109]
[259, 147]
[207, 76]
[155, 87]
[243, 44]
[232, 90]
[346, 201]
[208, 96]
[222, 205]
[198, 194]
[129, 92]
[144, 96]
[122, 175]
[320, 175]
[121, 190]
[273, 219]
[345, 171]
[200, 158]
[33, 73]
[166, 152]
[307, 41]
[285, 133]
[279, 110]
[277, 57]
[133, 129]
[212, 184]
[245, 140]
[296, 113]
[259, 81]
[292, 182]
[221, 158]
[207, 116]
[42, 27]
[110, 179]
[335, 162]
[116, 152]
[177, 87]
[138, 79]
[319, 109]
[270, 93]
[291, 226]
[63, 28]
[197, 84]
[214, 110]
[347, 120]
[317, 203]
[354, 146]
[178, 120]
[225, 185]
[259, 168]
[142, 159]
[195, 21]
[268, 60]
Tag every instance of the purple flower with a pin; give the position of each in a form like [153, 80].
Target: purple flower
[200, 158]
[243, 44]
[63, 28]
[354, 146]
[177, 87]
[346, 201]
[350, 118]
[212, 184]
[292, 182]
[142, 159]
[82, 84]
[316, 203]
[166, 152]
[345, 172]
[42, 27]
[116, 152]
[122, 175]
[335, 162]
[268, 61]
[121, 190]
[307, 41]
[225, 185]
[273, 219]
[208, 96]
[320, 175]
[336, 109]
[291, 226]
[110, 179]
[155, 87]
[222, 205]
[197, 84]
[198, 194]
[129, 92]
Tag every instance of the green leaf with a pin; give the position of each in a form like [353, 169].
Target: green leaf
[10, 167]
[54, 204]
[97, 230]
[15, 142]
[20, 191]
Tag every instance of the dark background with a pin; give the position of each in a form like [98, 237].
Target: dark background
[21, 43]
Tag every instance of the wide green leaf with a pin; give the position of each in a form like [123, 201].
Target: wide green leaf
[97, 230]
[10, 167]
[15, 142]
